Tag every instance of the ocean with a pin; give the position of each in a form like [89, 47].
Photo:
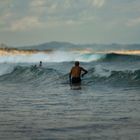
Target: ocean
[40, 104]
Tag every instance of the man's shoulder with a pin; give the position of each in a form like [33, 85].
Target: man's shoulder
[81, 67]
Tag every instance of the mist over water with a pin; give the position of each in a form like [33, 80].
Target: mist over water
[56, 56]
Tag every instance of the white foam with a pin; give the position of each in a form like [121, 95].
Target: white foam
[90, 57]
[57, 56]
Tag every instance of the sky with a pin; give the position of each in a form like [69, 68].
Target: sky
[28, 22]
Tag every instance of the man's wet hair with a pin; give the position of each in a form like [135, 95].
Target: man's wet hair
[76, 63]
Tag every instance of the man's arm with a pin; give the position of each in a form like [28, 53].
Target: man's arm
[85, 71]
[70, 75]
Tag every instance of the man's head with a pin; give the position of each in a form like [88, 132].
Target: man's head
[76, 63]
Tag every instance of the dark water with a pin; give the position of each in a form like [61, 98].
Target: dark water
[39, 104]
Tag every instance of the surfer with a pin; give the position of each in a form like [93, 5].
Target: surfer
[40, 64]
[75, 73]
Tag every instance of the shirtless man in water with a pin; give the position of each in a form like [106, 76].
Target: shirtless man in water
[75, 73]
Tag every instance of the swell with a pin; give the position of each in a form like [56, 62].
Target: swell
[30, 75]
[49, 76]
[114, 77]
[89, 57]
[120, 57]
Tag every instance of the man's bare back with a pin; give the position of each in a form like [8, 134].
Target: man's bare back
[75, 73]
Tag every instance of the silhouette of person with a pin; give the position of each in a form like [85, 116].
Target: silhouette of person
[76, 73]
[40, 64]
[34, 67]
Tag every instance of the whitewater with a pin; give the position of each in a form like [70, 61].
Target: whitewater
[39, 103]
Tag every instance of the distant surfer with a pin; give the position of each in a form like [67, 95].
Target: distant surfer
[76, 73]
[35, 66]
[40, 64]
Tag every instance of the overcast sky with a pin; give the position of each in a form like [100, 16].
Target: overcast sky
[26, 22]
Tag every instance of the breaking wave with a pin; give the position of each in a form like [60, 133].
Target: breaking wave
[63, 56]
[120, 57]
[125, 76]
[52, 76]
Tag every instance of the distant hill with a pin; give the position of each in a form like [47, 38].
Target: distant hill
[97, 47]
[51, 45]
[70, 46]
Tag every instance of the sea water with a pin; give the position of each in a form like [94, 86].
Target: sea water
[39, 103]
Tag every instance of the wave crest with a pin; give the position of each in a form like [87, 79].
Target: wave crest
[105, 76]
[66, 56]
[47, 75]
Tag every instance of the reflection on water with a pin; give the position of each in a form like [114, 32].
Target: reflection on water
[61, 113]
